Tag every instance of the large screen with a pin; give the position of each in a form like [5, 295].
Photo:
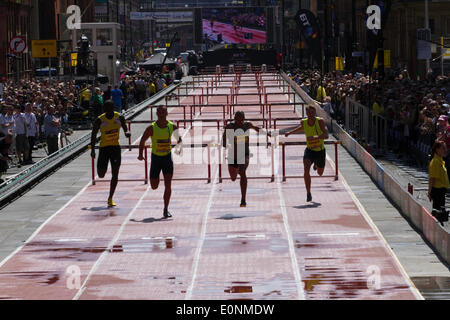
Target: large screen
[234, 25]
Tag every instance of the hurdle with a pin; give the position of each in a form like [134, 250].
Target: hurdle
[257, 144]
[303, 143]
[94, 181]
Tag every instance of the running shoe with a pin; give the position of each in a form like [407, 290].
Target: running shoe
[243, 204]
[111, 203]
[309, 197]
[167, 214]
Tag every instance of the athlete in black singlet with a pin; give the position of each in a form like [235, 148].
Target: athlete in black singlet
[236, 138]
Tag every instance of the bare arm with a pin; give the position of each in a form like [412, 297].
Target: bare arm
[124, 126]
[298, 129]
[324, 128]
[257, 129]
[176, 134]
[147, 134]
[94, 136]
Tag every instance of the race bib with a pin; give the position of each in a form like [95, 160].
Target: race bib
[314, 143]
[112, 135]
[241, 139]
[163, 146]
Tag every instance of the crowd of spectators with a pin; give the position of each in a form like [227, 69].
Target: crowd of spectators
[412, 108]
[33, 111]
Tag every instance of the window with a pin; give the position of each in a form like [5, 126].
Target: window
[104, 37]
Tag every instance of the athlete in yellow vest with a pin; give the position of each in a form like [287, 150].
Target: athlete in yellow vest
[161, 132]
[109, 125]
[316, 132]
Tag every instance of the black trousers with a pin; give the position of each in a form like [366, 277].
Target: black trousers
[31, 142]
[52, 144]
[438, 197]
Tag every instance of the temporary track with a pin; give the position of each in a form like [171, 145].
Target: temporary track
[278, 247]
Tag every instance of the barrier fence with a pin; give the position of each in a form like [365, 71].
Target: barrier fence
[419, 216]
[370, 126]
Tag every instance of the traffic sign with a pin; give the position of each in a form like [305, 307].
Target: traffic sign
[446, 54]
[17, 45]
[43, 48]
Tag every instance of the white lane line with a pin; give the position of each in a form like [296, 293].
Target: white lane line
[202, 238]
[333, 234]
[369, 220]
[114, 240]
[110, 246]
[50, 218]
[295, 267]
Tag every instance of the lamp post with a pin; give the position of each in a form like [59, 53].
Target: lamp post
[427, 26]
[283, 49]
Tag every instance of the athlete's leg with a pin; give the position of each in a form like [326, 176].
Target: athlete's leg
[233, 172]
[243, 174]
[102, 163]
[116, 159]
[307, 177]
[320, 171]
[114, 180]
[155, 171]
[320, 163]
[167, 190]
[168, 174]
[154, 183]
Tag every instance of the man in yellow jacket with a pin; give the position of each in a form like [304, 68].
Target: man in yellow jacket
[321, 93]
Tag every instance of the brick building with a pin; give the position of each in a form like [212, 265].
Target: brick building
[14, 21]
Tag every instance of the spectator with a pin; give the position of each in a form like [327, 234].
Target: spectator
[5, 145]
[97, 102]
[378, 107]
[52, 125]
[438, 182]
[152, 88]
[32, 130]
[321, 93]
[117, 96]
[85, 97]
[1, 87]
[20, 136]
[7, 120]
[107, 93]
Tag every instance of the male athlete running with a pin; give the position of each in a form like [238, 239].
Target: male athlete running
[161, 133]
[109, 125]
[236, 136]
[316, 132]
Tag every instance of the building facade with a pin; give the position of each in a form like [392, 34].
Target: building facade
[15, 20]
